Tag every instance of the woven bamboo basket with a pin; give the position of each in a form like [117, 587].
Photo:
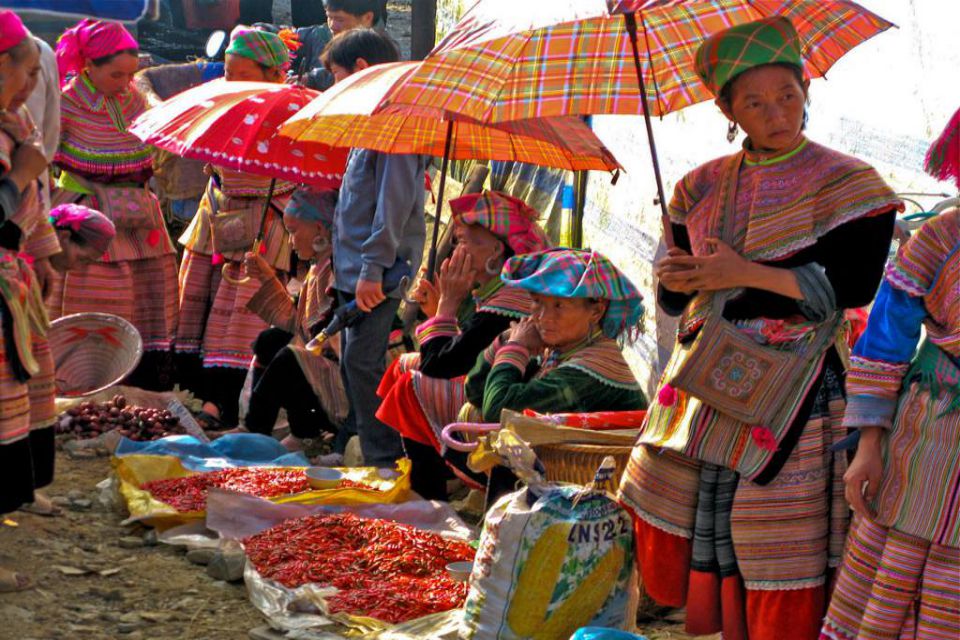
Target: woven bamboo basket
[577, 463]
[92, 352]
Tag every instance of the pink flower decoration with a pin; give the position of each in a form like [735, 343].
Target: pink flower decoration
[153, 238]
[216, 259]
[763, 438]
[263, 249]
[667, 396]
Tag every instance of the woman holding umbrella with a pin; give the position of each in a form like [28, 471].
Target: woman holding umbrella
[217, 330]
[742, 520]
[106, 167]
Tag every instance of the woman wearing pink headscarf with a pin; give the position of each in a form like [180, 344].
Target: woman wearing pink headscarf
[26, 367]
[105, 167]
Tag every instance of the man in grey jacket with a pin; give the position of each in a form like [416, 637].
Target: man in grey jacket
[378, 219]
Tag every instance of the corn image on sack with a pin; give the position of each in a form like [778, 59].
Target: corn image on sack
[552, 559]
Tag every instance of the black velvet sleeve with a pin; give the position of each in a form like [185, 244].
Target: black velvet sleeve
[673, 302]
[450, 357]
[852, 255]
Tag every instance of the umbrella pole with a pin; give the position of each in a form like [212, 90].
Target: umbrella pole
[631, 22]
[432, 256]
[224, 271]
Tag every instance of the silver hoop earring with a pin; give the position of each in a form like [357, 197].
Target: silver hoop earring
[320, 244]
[732, 131]
[491, 270]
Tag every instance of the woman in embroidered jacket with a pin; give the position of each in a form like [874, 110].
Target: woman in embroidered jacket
[106, 168]
[27, 407]
[901, 573]
[470, 306]
[808, 230]
[565, 357]
[308, 385]
[217, 329]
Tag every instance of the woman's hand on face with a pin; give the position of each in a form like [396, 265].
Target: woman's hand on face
[427, 295]
[455, 281]
[526, 333]
[256, 267]
[723, 268]
[862, 479]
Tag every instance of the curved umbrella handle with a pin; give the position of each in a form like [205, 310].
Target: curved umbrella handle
[448, 438]
[225, 274]
[225, 269]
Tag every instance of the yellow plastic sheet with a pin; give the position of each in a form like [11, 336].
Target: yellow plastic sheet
[133, 471]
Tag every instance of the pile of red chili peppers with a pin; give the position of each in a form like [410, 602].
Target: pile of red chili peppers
[383, 570]
[190, 493]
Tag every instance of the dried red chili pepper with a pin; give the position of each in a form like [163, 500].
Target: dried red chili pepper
[190, 493]
[383, 570]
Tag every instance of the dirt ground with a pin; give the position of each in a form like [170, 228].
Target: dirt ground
[88, 587]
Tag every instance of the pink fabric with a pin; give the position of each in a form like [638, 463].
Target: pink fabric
[89, 224]
[90, 39]
[12, 31]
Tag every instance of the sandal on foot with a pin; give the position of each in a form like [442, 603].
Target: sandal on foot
[41, 506]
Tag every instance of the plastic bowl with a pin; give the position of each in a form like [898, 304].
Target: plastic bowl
[324, 477]
[460, 571]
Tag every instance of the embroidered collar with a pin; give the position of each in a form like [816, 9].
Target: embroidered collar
[494, 297]
[764, 159]
[597, 356]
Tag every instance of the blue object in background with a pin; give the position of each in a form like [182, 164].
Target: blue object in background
[111, 9]
[598, 633]
[233, 450]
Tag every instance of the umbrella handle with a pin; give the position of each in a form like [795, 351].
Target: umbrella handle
[225, 274]
[225, 269]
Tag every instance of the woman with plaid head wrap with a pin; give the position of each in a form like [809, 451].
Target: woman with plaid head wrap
[216, 327]
[789, 233]
[468, 307]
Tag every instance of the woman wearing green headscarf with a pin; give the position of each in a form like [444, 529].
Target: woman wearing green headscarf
[741, 518]
[216, 328]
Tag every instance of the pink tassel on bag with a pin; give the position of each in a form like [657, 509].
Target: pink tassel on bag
[216, 259]
[667, 396]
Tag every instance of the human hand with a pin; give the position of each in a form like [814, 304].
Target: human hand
[369, 295]
[526, 333]
[28, 163]
[257, 268]
[427, 295]
[723, 268]
[862, 479]
[456, 280]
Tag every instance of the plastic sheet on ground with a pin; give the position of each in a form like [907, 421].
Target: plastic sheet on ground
[233, 450]
[300, 611]
[133, 470]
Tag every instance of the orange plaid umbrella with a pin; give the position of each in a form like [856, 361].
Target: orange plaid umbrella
[508, 59]
[352, 114]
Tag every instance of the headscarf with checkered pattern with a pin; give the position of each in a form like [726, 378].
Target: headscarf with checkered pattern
[727, 54]
[580, 273]
[512, 220]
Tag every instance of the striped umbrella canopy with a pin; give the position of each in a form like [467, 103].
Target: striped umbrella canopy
[509, 60]
[234, 125]
[352, 113]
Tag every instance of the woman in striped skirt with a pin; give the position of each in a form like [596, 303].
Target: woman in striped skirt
[106, 168]
[901, 574]
[742, 523]
[26, 366]
[217, 330]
